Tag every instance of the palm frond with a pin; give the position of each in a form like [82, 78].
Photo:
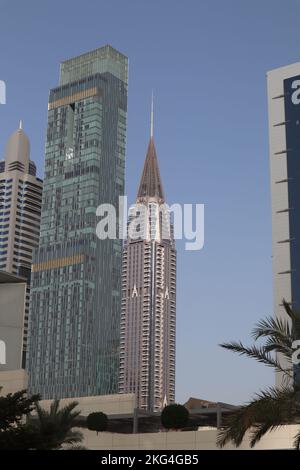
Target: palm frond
[274, 407]
[295, 317]
[255, 352]
[55, 426]
[234, 429]
[273, 326]
[269, 409]
[41, 413]
[67, 414]
[272, 344]
[54, 407]
[259, 430]
[73, 437]
[75, 447]
[297, 441]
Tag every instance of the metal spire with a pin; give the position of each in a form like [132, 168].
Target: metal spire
[150, 184]
[20, 124]
[152, 116]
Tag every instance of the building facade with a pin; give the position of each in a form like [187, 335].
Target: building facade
[75, 313]
[148, 313]
[284, 138]
[20, 213]
[12, 303]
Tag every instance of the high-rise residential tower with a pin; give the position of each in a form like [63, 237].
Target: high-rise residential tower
[284, 137]
[20, 213]
[75, 302]
[148, 313]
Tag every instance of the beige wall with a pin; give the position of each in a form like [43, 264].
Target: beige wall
[15, 380]
[109, 404]
[12, 309]
[187, 440]
[12, 381]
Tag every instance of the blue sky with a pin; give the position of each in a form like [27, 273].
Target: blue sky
[206, 61]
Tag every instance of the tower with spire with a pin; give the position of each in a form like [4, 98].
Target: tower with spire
[148, 312]
[20, 214]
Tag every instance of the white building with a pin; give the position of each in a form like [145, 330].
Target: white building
[284, 135]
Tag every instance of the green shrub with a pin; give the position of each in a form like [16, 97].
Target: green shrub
[97, 421]
[174, 416]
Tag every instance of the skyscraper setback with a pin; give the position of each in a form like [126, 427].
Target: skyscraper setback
[148, 314]
[75, 303]
[20, 212]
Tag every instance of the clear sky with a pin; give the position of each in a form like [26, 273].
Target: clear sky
[206, 61]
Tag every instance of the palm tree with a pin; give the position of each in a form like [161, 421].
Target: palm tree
[275, 406]
[54, 427]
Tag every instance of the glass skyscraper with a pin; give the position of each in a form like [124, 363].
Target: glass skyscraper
[75, 303]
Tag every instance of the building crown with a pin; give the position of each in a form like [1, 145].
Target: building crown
[150, 184]
[17, 152]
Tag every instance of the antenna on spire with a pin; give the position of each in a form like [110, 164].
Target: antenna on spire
[21, 124]
[151, 125]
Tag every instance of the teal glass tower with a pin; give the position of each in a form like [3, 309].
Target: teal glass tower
[73, 344]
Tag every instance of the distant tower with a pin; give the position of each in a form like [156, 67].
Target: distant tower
[148, 313]
[73, 341]
[20, 212]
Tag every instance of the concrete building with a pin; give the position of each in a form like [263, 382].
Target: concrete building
[284, 137]
[12, 310]
[113, 405]
[130, 429]
[148, 313]
[20, 212]
[12, 381]
[76, 277]
[123, 434]
[203, 439]
[122, 414]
